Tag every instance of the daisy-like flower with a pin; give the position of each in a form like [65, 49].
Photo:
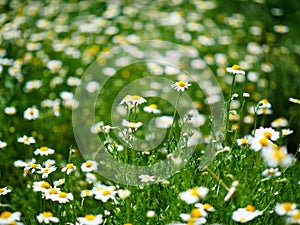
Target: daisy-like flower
[21, 163]
[2, 144]
[59, 182]
[4, 191]
[152, 108]
[281, 29]
[44, 151]
[294, 100]
[41, 186]
[193, 195]
[46, 171]
[133, 100]
[207, 207]
[294, 218]
[123, 194]
[279, 122]
[90, 219]
[146, 178]
[196, 217]
[86, 193]
[180, 86]
[259, 143]
[26, 140]
[63, 197]
[7, 217]
[104, 193]
[49, 163]
[244, 141]
[31, 167]
[132, 125]
[89, 166]
[32, 84]
[230, 194]
[54, 65]
[51, 193]
[269, 133]
[246, 214]
[285, 208]
[286, 132]
[163, 122]
[264, 103]
[31, 113]
[97, 127]
[271, 172]
[47, 217]
[10, 110]
[91, 178]
[277, 156]
[68, 168]
[235, 69]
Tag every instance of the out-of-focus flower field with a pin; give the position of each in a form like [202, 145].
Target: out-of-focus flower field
[251, 47]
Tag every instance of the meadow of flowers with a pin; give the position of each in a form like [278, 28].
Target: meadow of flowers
[228, 135]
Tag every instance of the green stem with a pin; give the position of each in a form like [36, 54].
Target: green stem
[217, 178]
[228, 107]
[239, 123]
[173, 122]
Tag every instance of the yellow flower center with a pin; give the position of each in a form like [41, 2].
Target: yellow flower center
[88, 164]
[236, 67]
[26, 138]
[195, 192]
[33, 165]
[70, 166]
[87, 192]
[268, 134]
[47, 214]
[62, 195]
[106, 192]
[287, 206]
[44, 149]
[271, 171]
[207, 206]
[5, 215]
[31, 111]
[196, 213]
[132, 124]
[90, 217]
[264, 142]
[181, 83]
[46, 170]
[244, 141]
[12, 223]
[135, 97]
[1, 190]
[278, 155]
[45, 184]
[153, 106]
[192, 221]
[250, 208]
[53, 191]
[297, 215]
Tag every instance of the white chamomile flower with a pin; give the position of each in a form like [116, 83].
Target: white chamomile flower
[180, 86]
[235, 69]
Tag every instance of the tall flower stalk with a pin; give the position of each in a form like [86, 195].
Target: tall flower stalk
[235, 70]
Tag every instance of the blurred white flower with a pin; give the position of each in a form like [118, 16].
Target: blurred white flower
[31, 113]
